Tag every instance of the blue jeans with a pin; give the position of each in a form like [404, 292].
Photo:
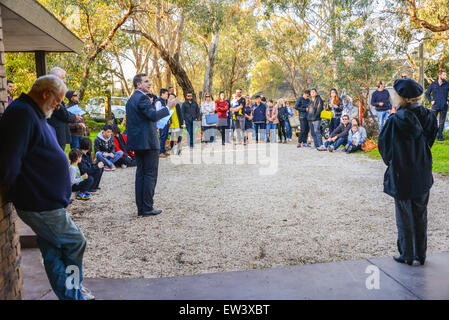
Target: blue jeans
[382, 116]
[289, 129]
[163, 136]
[335, 122]
[75, 142]
[339, 142]
[258, 127]
[272, 126]
[190, 133]
[108, 161]
[315, 131]
[62, 244]
[209, 133]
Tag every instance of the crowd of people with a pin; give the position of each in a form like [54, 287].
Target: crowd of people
[33, 160]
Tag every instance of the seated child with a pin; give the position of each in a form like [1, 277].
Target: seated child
[87, 165]
[83, 183]
[356, 137]
[128, 158]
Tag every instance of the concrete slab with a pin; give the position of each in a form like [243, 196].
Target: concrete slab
[334, 281]
[35, 282]
[430, 281]
[27, 237]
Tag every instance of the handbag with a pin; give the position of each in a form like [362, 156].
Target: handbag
[369, 145]
[326, 114]
[294, 122]
[211, 118]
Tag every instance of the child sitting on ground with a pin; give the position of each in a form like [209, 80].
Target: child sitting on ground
[83, 183]
[354, 139]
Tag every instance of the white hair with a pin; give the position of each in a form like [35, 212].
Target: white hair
[57, 71]
[404, 102]
[48, 82]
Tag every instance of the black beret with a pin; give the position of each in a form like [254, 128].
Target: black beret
[408, 88]
[69, 94]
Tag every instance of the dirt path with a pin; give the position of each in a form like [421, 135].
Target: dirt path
[317, 207]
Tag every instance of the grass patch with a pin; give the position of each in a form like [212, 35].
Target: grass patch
[440, 154]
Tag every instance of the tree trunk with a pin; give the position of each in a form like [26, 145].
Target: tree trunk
[100, 48]
[209, 72]
[167, 76]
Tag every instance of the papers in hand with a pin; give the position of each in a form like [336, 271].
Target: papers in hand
[163, 122]
[76, 109]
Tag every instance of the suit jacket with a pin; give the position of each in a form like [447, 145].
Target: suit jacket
[60, 120]
[141, 119]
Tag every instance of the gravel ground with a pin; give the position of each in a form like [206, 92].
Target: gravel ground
[317, 207]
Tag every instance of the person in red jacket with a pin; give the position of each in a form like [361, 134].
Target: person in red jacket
[221, 108]
[128, 159]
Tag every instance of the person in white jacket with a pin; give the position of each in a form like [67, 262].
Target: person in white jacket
[207, 108]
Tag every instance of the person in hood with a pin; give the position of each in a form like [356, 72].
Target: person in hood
[404, 144]
[104, 147]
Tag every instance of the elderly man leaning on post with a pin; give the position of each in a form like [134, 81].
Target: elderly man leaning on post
[34, 173]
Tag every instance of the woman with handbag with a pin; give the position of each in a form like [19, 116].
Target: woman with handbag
[208, 119]
[221, 108]
[283, 118]
[248, 113]
[335, 105]
[272, 121]
[176, 123]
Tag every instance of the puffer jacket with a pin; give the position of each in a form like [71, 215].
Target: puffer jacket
[103, 145]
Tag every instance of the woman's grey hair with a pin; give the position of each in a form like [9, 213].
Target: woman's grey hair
[404, 102]
[57, 71]
[48, 82]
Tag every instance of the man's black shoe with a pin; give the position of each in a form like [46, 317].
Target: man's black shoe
[150, 213]
[421, 261]
[402, 260]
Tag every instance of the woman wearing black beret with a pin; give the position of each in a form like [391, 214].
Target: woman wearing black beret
[404, 144]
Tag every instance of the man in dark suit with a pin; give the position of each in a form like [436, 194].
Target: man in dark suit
[141, 119]
[61, 118]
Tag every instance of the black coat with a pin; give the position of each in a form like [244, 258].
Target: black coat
[314, 109]
[141, 119]
[190, 111]
[404, 144]
[87, 165]
[60, 120]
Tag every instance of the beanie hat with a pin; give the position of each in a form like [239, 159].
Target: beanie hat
[408, 88]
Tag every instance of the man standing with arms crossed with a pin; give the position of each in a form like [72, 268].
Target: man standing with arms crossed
[141, 119]
[439, 90]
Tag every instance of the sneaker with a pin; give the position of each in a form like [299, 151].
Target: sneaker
[299, 145]
[107, 168]
[306, 145]
[321, 148]
[330, 148]
[124, 166]
[113, 168]
[87, 295]
[82, 196]
[87, 193]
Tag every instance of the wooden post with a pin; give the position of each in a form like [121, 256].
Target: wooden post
[41, 63]
[107, 107]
